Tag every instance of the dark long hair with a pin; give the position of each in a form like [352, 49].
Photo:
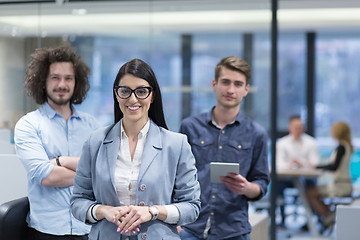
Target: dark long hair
[140, 69]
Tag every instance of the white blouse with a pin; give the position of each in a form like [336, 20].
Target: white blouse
[127, 170]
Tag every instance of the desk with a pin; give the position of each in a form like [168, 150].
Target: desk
[295, 175]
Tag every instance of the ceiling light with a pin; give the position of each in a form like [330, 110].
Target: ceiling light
[80, 11]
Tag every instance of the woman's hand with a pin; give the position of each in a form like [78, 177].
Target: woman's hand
[129, 218]
[108, 212]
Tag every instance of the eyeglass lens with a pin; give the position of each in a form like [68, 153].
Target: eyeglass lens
[140, 92]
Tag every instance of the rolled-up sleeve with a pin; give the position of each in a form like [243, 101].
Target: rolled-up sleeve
[30, 150]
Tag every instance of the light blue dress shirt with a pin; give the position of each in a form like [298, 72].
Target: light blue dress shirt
[42, 135]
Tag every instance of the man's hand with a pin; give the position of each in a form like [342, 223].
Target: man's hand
[240, 185]
[296, 163]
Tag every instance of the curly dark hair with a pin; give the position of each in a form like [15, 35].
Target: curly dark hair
[38, 70]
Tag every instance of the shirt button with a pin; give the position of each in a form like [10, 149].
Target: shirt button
[141, 204]
[144, 236]
[142, 187]
[223, 131]
[202, 142]
[239, 147]
[212, 214]
[213, 196]
[220, 147]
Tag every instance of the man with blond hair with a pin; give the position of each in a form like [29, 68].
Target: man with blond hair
[224, 134]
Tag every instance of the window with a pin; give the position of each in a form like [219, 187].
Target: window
[208, 50]
[337, 91]
[106, 54]
[338, 82]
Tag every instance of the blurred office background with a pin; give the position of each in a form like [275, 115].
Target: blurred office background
[183, 41]
[318, 55]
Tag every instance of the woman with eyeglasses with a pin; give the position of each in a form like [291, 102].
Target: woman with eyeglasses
[136, 179]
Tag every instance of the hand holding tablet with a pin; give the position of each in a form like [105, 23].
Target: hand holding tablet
[218, 169]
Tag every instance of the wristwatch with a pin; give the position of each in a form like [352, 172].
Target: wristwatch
[154, 211]
[57, 159]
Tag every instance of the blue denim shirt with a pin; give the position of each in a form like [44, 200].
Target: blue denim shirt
[244, 142]
[42, 135]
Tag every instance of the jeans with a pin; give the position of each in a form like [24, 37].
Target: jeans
[185, 235]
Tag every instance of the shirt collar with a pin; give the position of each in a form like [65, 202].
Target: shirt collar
[51, 113]
[210, 119]
[300, 138]
[142, 132]
[75, 112]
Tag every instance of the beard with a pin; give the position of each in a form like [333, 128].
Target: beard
[58, 101]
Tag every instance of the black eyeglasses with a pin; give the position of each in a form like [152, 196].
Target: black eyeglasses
[140, 92]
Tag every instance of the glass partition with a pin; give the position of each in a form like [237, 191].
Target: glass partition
[109, 33]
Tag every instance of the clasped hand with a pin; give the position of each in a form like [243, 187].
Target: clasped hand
[127, 218]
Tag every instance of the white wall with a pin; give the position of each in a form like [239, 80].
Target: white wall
[12, 70]
[5, 142]
[13, 179]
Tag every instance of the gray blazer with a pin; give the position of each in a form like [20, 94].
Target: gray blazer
[167, 176]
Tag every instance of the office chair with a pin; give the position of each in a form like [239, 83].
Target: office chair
[13, 219]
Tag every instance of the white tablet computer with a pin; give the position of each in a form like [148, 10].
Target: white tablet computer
[218, 169]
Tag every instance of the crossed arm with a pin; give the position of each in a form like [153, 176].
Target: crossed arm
[31, 151]
[62, 176]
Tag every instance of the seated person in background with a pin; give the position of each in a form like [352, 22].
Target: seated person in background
[295, 150]
[341, 182]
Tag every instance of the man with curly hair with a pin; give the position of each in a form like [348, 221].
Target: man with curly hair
[49, 140]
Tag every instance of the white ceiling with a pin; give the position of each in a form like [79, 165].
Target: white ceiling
[139, 17]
